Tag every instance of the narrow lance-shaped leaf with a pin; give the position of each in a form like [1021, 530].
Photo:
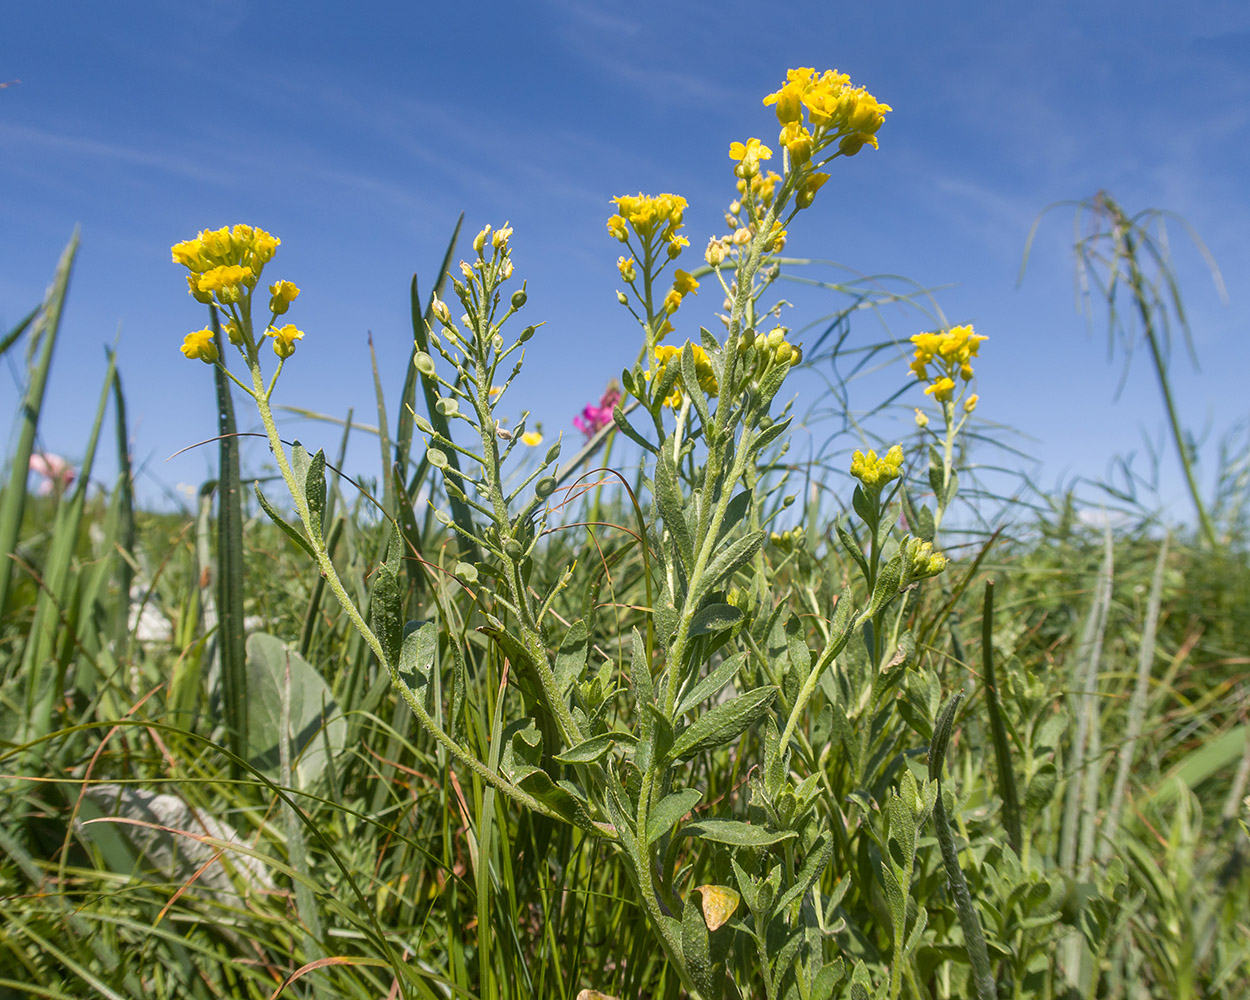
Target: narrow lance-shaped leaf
[231, 630]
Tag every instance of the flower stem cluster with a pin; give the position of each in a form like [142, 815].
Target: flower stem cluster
[649, 226]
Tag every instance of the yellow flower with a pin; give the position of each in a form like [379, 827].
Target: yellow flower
[684, 283]
[970, 403]
[941, 389]
[479, 241]
[704, 372]
[626, 266]
[532, 438]
[675, 246]
[200, 345]
[281, 295]
[616, 228]
[284, 339]
[749, 156]
[500, 239]
[922, 419]
[715, 252]
[875, 472]
[812, 183]
[233, 333]
[227, 283]
[672, 301]
[797, 142]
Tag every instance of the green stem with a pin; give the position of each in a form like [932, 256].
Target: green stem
[1156, 355]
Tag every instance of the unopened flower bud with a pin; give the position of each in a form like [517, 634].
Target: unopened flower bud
[715, 253]
[438, 308]
[620, 297]
[479, 241]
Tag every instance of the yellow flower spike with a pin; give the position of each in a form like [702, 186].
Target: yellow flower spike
[532, 438]
[284, 339]
[625, 265]
[281, 295]
[201, 345]
[875, 472]
[941, 390]
[684, 282]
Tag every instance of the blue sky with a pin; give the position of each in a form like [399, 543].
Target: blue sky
[358, 137]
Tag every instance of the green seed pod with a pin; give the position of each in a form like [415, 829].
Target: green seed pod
[447, 407]
[514, 549]
[526, 334]
[467, 572]
[765, 422]
[545, 487]
[437, 458]
[519, 298]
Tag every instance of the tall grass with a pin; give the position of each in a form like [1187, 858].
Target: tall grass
[183, 820]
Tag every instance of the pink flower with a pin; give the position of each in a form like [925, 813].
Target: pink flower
[57, 474]
[594, 418]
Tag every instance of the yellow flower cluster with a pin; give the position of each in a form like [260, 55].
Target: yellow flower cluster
[815, 111]
[658, 217]
[951, 353]
[835, 111]
[702, 368]
[225, 264]
[875, 472]
[924, 562]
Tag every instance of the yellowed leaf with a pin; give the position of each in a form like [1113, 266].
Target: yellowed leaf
[719, 904]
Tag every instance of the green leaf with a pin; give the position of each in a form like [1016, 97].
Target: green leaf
[318, 730]
[886, 588]
[419, 649]
[571, 657]
[315, 489]
[735, 833]
[770, 434]
[594, 748]
[735, 555]
[282, 522]
[712, 683]
[618, 418]
[672, 509]
[668, 811]
[713, 618]
[852, 546]
[723, 723]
